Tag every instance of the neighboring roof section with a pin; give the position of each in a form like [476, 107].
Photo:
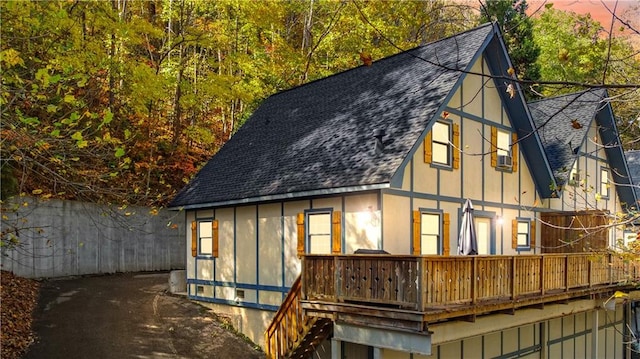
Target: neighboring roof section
[563, 123]
[320, 136]
[633, 162]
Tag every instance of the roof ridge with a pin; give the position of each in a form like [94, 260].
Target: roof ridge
[477, 28]
[577, 93]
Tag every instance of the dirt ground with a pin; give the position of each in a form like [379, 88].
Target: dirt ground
[128, 316]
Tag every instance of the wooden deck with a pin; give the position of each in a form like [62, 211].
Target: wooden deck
[409, 292]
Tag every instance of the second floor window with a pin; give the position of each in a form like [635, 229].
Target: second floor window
[441, 143]
[504, 143]
[604, 182]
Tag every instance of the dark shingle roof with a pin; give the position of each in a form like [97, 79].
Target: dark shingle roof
[319, 136]
[557, 119]
[633, 161]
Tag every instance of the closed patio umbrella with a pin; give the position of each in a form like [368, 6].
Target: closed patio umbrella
[467, 241]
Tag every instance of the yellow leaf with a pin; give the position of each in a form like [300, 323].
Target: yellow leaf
[36, 191]
[619, 294]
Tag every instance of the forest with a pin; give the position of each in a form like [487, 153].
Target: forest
[122, 101]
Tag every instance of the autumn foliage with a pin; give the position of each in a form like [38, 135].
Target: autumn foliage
[18, 299]
[123, 101]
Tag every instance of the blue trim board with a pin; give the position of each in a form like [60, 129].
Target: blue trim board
[257, 240]
[282, 244]
[272, 308]
[479, 119]
[256, 287]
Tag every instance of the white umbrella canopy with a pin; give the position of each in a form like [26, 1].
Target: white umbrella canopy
[467, 241]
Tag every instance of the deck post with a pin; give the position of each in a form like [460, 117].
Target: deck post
[422, 291]
[542, 271]
[595, 325]
[590, 271]
[336, 278]
[513, 277]
[566, 272]
[474, 279]
[336, 349]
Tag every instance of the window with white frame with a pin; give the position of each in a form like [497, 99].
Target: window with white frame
[319, 232]
[430, 233]
[205, 238]
[604, 182]
[524, 234]
[441, 143]
[504, 143]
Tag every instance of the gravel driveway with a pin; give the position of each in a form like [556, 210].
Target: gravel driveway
[128, 316]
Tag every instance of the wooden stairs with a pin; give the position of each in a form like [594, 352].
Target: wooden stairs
[291, 333]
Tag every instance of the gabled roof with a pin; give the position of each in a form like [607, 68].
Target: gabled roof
[319, 137]
[633, 161]
[563, 123]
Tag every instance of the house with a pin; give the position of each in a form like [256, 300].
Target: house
[379, 160]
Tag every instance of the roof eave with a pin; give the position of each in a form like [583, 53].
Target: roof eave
[616, 158]
[283, 196]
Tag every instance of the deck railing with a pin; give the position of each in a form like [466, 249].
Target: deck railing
[425, 282]
[287, 326]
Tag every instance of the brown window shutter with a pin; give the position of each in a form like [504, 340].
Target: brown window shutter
[514, 152]
[417, 237]
[336, 233]
[215, 226]
[494, 146]
[456, 146]
[514, 233]
[194, 238]
[428, 151]
[301, 235]
[532, 233]
[446, 224]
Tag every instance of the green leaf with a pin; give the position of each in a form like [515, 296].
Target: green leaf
[77, 136]
[69, 99]
[119, 152]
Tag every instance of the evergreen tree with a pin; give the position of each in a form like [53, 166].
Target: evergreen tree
[517, 31]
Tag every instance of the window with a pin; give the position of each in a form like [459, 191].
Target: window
[205, 238]
[523, 234]
[503, 144]
[604, 182]
[430, 233]
[574, 178]
[319, 229]
[504, 150]
[441, 143]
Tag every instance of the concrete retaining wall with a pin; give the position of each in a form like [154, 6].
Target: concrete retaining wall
[63, 238]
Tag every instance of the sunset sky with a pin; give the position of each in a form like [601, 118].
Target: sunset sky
[597, 8]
